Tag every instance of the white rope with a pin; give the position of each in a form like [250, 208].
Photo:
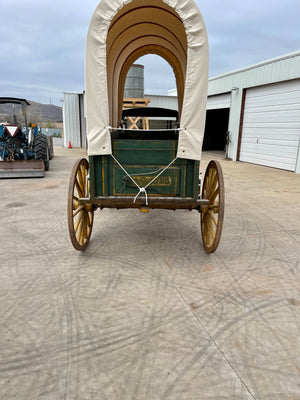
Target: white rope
[162, 171]
[143, 189]
[125, 170]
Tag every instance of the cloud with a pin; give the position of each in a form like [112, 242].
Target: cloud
[42, 46]
[42, 43]
[158, 74]
[244, 33]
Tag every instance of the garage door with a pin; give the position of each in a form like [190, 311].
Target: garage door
[271, 125]
[218, 101]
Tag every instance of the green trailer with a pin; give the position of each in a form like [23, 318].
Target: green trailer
[145, 169]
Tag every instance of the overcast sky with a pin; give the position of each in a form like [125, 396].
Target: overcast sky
[42, 43]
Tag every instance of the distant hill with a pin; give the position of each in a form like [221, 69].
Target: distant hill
[36, 113]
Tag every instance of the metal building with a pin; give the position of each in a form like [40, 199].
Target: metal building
[260, 108]
[170, 102]
[74, 119]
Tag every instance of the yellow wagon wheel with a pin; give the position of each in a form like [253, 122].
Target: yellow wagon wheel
[80, 216]
[212, 215]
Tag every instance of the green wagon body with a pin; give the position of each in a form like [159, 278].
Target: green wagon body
[143, 160]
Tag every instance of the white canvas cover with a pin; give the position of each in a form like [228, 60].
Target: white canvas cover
[121, 31]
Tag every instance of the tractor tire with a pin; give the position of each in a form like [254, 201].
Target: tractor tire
[50, 147]
[41, 149]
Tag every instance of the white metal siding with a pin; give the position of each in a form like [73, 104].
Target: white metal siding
[82, 121]
[71, 119]
[170, 102]
[74, 120]
[218, 101]
[271, 125]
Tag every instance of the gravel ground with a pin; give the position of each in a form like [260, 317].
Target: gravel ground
[144, 313]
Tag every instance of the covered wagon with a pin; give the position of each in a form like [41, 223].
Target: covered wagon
[145, 168]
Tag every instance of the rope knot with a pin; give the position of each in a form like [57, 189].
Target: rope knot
[141, 190]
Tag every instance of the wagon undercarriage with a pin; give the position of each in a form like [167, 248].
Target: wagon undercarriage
[169, 203]
[81, 206]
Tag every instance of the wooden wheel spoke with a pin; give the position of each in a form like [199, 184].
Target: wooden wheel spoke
[82, 230]
[86, 229]
[79, 189]
[79, 221]
[209, 179]
[78, 234]
[80, 178]
[213, 196]
[75, 202]
[208, 232]
[89, 219]
[87, 186]
[214, 208]
[84, 174]
[214, 183]
[77, 210]
[211, 230]
[206, 190]
[213, 217]
[85, 183]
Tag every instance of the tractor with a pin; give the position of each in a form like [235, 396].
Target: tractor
[24, 151]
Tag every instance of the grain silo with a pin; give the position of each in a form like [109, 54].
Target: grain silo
[134, 84]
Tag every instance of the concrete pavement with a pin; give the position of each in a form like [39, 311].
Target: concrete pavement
[145, 313]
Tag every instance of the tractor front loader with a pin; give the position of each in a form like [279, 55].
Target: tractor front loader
[24, 151]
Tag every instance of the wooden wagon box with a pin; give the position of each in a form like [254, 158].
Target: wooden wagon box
[143, 160]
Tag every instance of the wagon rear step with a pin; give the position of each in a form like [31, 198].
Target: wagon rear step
[22, 169]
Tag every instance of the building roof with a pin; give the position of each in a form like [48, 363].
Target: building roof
[258, 65]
